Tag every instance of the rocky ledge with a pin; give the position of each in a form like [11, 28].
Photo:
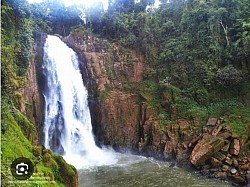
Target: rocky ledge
[216, 152]
[220, 154]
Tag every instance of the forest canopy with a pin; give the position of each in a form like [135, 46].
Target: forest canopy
[199, 47]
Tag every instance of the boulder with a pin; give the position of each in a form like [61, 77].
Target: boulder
[206, 148]
[245, 167]
[215, 162]
[225, 135]
[216, 130]
[235, 147]
[220, 174]
[226, 147]
[225, 168]
[235, 162]
[220, 156]
[212, 121]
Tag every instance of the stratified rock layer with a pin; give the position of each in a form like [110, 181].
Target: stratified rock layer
[206, 148]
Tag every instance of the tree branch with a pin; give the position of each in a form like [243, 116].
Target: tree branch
[225, 29]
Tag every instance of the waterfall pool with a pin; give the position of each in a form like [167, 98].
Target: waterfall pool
[138, 171]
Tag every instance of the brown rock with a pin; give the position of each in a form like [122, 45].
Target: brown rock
[225, 168]
[220, 156]
[229, 161]
[206, 148]
[245, 167]
[216, 130]
[195, 139]
[235, 163]
[220, 174]
[170, 149]
[226, 147]
[215, 162]
[212, 121]
[235, 147]
[31, 102]
[118, 117]
[225, 135]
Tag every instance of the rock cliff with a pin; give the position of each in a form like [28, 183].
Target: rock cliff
[31, 101]
[112, 71]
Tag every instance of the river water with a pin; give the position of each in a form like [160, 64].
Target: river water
[138, 171]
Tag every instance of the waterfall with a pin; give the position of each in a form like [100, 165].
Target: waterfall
[67, 121]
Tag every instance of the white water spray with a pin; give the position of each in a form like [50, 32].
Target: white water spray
[67, 122]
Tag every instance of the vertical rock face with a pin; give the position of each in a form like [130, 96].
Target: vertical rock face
[120, 118]
[31, 103]
[113, 73]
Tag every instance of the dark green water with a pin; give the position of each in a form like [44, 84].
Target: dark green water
[137, 171]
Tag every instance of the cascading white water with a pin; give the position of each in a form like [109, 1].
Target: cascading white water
[67, 122]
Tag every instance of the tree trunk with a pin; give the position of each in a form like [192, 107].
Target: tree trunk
[225, 29]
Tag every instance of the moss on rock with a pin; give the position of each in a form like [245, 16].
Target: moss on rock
[17, 136]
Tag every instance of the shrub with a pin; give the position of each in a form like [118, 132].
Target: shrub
[151, 92]
[229, 76]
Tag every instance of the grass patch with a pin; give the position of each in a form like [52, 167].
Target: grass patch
[239, 120]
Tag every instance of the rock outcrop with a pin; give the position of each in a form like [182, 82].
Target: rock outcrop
[214, 149]
[207, 147]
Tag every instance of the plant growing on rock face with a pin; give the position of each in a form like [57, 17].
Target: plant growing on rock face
[151, 92]
[163, 121]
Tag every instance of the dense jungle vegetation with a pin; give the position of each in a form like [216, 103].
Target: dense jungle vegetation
[197, 51]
